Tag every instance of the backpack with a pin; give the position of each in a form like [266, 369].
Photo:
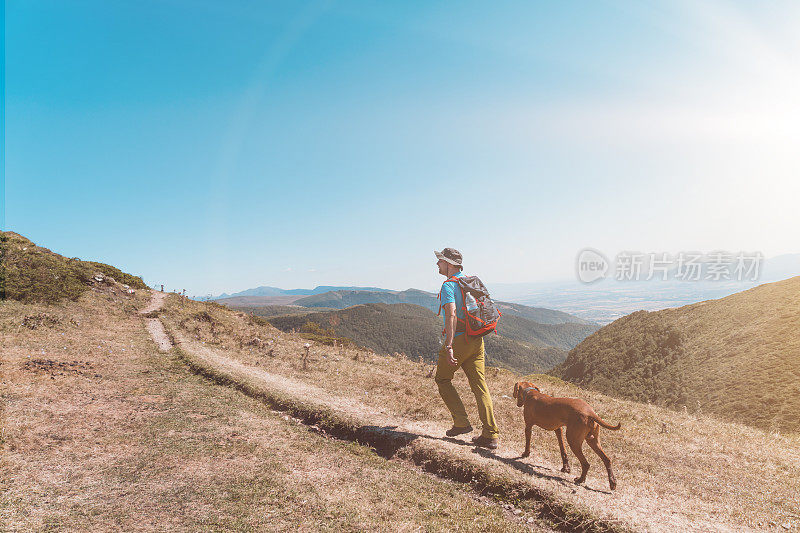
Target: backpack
[479, 310]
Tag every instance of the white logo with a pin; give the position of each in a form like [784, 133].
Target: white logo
[591, 265]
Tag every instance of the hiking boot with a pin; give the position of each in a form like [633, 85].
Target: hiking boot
[486, 442]
[455, 430]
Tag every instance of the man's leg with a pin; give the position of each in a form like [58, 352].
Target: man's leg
[444, 380]
[474, 369]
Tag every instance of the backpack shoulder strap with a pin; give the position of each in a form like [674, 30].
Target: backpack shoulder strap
[439, 296]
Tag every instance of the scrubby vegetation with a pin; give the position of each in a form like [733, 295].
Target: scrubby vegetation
[564, 336]
[327, 336]
[737, 357]
[30, 273]
[636, 363]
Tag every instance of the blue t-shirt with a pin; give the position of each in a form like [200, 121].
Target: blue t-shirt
[451, 293]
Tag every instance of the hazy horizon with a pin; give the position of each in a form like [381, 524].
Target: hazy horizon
[566, 280]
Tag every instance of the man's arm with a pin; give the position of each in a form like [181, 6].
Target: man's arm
[449, 330]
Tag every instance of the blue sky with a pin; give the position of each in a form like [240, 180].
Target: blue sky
[216, 146]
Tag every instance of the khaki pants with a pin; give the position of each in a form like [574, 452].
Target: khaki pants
[469, 353]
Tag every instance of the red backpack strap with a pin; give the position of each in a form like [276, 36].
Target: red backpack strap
[439, 296]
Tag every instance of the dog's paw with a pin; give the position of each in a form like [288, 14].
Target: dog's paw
[525, 454]
[565, 469]
[579, 480]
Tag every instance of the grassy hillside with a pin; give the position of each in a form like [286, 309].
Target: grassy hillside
[737, 357]
[415, 331]
[677, 471]
[30, 273]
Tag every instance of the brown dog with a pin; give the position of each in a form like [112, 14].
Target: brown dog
[553, 413]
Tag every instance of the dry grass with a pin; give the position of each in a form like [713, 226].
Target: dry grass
[100, 432]
[701, 473]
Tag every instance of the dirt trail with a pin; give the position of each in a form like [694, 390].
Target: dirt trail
[154, 325]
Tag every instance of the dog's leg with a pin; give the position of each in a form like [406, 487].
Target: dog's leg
[564, 458]
[528, 428]
[593, 439]
[575, 437]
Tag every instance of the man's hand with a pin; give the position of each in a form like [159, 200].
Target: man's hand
[450, 358]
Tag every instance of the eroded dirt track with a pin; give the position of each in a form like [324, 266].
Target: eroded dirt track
[154, 325]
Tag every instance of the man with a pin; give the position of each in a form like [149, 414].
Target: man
[461, 350]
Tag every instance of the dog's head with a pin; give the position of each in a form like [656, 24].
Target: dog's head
[519, 391]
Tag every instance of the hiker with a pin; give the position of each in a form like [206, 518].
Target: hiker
[465, 351]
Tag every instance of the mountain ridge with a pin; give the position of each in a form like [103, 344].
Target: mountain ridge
[266, 290]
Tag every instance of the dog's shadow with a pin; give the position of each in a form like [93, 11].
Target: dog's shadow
[387, 440]
[517, 464]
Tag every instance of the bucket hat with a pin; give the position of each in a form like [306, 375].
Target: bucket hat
[451, 255]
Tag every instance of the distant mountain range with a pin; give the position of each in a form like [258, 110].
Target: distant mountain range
[275, 291]
[343, 298]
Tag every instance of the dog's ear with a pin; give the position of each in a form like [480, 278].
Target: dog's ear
[519, 394]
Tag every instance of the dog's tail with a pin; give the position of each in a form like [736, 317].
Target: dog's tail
[605, 424]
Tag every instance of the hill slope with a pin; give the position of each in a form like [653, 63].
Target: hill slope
[30, 273]
[416, 331]
[563, 336]
[737, 357]
[697, 475]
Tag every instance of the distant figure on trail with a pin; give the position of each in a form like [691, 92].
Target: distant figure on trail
[462, 350]
[162, 287]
